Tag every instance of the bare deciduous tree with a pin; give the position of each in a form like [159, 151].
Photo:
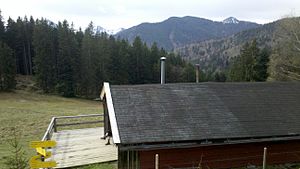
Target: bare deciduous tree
[285, 60]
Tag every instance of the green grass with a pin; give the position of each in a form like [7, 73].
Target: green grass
[98, 166]
[31, 113]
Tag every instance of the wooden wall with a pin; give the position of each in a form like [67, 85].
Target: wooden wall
[223, 156]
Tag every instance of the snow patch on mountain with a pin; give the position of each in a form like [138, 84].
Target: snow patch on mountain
[100, 29]
[231, 20]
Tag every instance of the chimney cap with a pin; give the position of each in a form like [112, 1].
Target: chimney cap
[163, 58]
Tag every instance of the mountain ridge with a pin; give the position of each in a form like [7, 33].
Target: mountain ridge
[215, 54]
[178, 31]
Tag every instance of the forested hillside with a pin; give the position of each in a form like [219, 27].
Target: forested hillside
[279, 39]
[215, 54]
[178, 31]
[76, 63]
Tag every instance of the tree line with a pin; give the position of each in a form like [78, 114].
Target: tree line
[76, 63]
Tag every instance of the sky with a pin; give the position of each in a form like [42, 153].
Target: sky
[114, 14]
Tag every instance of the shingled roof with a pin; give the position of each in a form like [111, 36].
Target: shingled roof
[205, 111]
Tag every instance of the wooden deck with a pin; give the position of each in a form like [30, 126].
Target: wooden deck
[81, 147]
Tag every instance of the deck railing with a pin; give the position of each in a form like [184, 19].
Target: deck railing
[52, 127]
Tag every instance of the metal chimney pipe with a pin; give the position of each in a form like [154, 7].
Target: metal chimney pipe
[197, 66]
[162, 70]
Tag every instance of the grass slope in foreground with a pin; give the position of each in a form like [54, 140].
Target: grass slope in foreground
[31, 113]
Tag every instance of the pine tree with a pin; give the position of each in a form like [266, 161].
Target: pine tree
[29, 26]
[67, 54]
[17, 158]
[243, 68]
[155, 57]
[235, 70]
[10, 39]
[261, 65]
[189, 74]
[7, 62]
[87, 73]
[77, 61]
[114, 69]
[2, 30]
[219, 76]
[7, 68]
[105, 49]
[123, 55]
[20, 47]
[136, 61]
[176, 71]
[249, 57]
[45, 60]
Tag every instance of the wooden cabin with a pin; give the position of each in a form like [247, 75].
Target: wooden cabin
[212, 125]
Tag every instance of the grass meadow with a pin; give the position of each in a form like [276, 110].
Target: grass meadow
[30, 113]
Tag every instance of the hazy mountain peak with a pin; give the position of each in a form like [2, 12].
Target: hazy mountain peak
[231, 20]
[100, 29]
[114, 31]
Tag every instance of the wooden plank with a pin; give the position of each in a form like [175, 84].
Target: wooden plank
[78, 116]
[80, 123]
[82, 147]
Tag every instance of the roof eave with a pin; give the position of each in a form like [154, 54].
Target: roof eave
[193, 144]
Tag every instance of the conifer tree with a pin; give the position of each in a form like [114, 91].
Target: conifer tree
[2, 30]
[261, 65]
[155, 57]
[7, 62]
[87, 74]
[7, 68]
[123, 55]
[45, 60]
[246, 66]
[136, 61]
[76, 63]
[67, 54]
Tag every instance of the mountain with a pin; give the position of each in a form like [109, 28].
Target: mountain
[178, 31]
[215, 54]
[100, 29]
[115, 31]
[230, 20]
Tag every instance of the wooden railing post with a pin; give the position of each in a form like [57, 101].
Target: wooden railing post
[54, 125]
[156, 161]
[264, 158]
[48, 136]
